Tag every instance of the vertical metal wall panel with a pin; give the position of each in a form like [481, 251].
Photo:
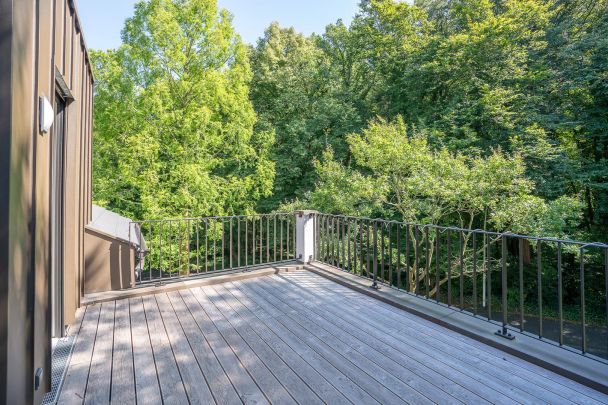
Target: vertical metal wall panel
[17, 267]
[39, 36]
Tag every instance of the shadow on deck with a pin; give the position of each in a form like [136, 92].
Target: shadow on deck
[292, 337]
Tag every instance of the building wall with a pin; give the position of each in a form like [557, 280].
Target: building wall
[37, 36]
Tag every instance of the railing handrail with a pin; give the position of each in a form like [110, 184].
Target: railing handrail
[145, 221]
[476, 230]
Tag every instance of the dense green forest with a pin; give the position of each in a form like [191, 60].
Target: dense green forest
[485, 114]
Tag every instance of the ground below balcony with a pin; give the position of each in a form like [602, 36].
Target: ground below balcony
[292, 337]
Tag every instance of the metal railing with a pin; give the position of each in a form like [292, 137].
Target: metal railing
[177, 248]
[552, 289]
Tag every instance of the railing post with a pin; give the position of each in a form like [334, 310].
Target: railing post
[305, 236]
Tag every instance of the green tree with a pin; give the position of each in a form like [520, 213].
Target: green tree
[402, 176]
[296, 96]
[174, 126]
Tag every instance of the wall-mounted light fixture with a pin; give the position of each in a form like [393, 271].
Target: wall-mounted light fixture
[47, 115]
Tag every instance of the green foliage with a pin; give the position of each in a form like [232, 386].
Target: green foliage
[173, 122]
[405, 175]
[295, 96]
[504, 108]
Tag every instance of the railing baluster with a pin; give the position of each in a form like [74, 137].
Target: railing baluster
[160, 252]
[375, 251]
[179, 245]
[398, 262]
[539, 281]
[230, 248]
[427, 267]
[461, 268]
[382, 226]
[238, 242]
[206, 245]
[417, 258]
[449, 257]
[368, 257]
[474, 253]
[489, 279]
[287, 234]
[189, 235]
[606, 287]
[503, 283]
[342, 230]
[148, 253]
[437, 266]
[390, 255]
[560, 294]
[198, 269]
[521, 285]
[246, 242]
[583, 314]
[407, 259]
[253, 245]
[215, 245]
[274, 237]
[354, 242]
[348, 250]
[170, 249]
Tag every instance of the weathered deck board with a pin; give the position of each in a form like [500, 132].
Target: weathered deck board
[146, 379]
[290, 380]
[100, 376]
[270, 386]
[398, 337]
[171, 383]
[77, 374]
[246, 387]
[532, 379]
[194, 381]
[291, 338]
[220, 385]
[326, 391]
[537, 375]
[123, 378]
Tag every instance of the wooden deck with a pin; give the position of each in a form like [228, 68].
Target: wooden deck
[290, 338]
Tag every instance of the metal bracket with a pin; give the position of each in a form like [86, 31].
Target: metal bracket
[504, 333]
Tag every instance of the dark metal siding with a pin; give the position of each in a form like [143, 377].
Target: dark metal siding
[37, 36]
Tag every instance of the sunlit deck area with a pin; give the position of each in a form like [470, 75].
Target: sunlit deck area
[292, 337]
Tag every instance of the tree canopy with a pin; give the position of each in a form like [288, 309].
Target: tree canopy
[174, 126]
[480, 113]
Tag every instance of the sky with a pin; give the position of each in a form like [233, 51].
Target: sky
[102, 20]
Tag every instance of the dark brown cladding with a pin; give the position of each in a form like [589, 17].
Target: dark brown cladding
[42, 54]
